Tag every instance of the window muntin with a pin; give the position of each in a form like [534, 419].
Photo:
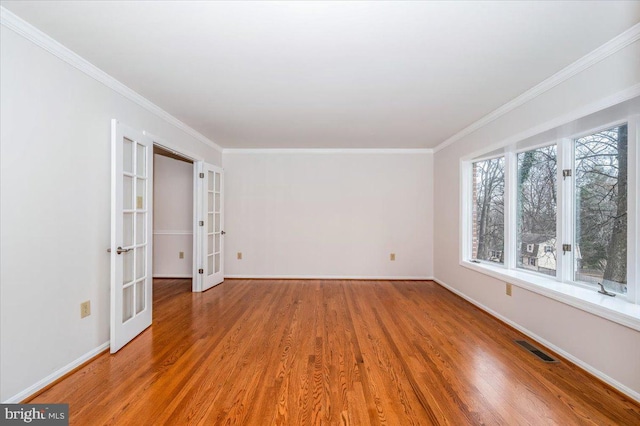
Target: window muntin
[600, 218]
[536, 210]
[488, 210]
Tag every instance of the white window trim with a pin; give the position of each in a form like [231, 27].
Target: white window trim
[622, 309]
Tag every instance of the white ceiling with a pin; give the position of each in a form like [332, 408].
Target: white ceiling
[330, 74]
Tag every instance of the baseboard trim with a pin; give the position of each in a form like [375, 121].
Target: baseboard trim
[43, 384]
[328, 277]
[172, 276]
[627, 391]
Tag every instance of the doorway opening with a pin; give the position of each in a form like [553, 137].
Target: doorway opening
[173, 217]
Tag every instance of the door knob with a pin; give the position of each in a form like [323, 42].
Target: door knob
[222, 232]
[120, 250]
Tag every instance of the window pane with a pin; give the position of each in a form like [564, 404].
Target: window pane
[141, 160]
[127, 156]
[127, 303]
[537, 196]
[601, 209]
[140, 296]
[488, 210]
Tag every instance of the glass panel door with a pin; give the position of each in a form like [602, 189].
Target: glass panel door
[212, 229]
[130, 225]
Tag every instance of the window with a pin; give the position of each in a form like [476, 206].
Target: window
[601, 209]
[488, 210]
[544, 212]
[537, 199]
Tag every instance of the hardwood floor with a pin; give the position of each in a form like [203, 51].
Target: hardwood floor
[329, 352]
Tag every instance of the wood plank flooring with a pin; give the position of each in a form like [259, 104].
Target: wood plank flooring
[329, 352]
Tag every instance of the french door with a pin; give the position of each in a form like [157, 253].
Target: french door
[131, 225]
[210, 226]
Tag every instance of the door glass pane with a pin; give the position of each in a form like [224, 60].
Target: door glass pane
[217, 248]
[488, 210]
[127, 193]
[127, 303]
[141, 161]
[600, 254]
[127, 156]
[217, 227]
[217, 203]
[140, 296]
[127, 267]
[210, 245]
[140, 227]
[210, 181]
[536, 221]
[217, 263]
[210, 202]
[210, 264]
[140, 262]
[217, 187]
[141, 194]
[127, 229]
[210, 223]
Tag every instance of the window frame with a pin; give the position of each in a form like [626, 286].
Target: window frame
[624, 308]
[569, 273]
[470, 212]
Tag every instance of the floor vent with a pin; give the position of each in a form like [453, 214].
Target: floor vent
[537, 352]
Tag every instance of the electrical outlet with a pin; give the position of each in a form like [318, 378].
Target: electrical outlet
[392, 257]
[181, 255]
[508, 288]
[85, 309]
[239, 255]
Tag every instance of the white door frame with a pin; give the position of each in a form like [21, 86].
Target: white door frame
[198, 204]
[195, 159]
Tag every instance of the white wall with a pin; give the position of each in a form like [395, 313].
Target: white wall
[328, 214]
[172, 217]
[55, 208]
[609, 349]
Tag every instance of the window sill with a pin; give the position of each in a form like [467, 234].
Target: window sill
[615, 309]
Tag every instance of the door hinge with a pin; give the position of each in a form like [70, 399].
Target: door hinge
[201, 271]
[201, 223]
[566, 173]
[201, 175]
[566, 248]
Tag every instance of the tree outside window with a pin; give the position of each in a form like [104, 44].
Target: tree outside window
[488, 210]
[601, 208]
[537, 201]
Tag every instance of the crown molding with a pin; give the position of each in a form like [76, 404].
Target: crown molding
[591, 108]
[327, 151]
[31, 33]
[609, 48]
